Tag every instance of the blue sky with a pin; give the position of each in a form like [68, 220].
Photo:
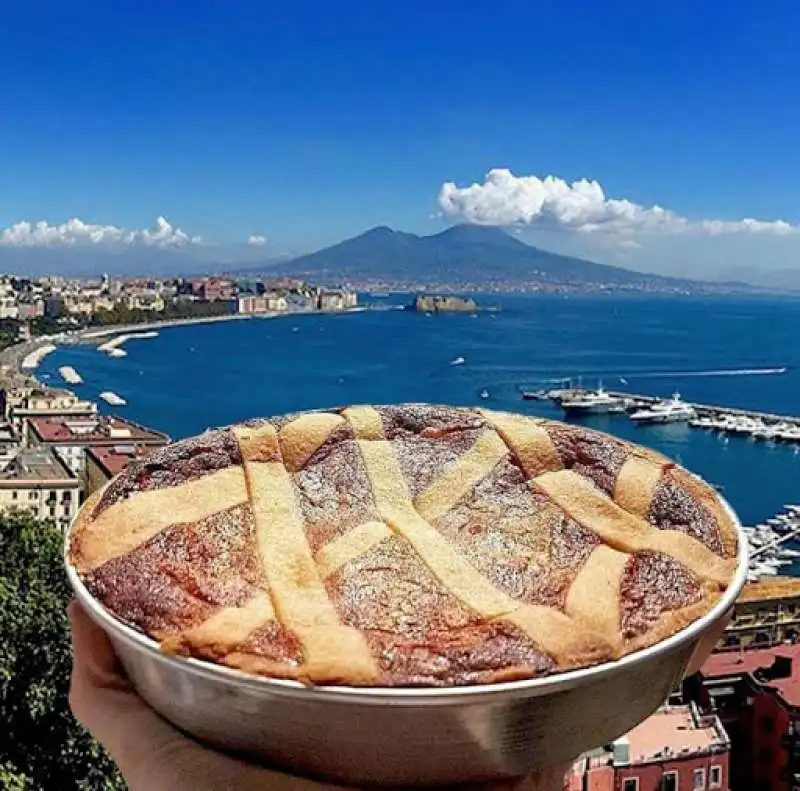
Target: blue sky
[306, 122]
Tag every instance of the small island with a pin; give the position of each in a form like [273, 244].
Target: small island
[443, 304]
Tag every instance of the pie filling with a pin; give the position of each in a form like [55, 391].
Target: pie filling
[408, 545]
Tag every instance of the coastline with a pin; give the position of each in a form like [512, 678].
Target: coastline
[14, 374]
[114, 329]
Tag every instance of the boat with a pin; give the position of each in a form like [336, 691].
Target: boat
[458, 361]
[70, 375]
[790, 434]
[484, 394]
[535, 395]
[704, 422]
[113, 398]
[593, 403]
[671, 411]
[117, 353]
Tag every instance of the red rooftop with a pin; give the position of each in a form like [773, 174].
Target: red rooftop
[98, 430]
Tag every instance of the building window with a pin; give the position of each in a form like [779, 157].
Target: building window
[52, 510]
[767, 724]
[669, 782]
[715, 777]
[630, 784]
[14, 494]
[699, 780]
[66, 496]
[33, 495]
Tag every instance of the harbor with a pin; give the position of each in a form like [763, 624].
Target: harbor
[767, 544]
[640, 408]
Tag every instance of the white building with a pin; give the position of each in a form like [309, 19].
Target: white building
[39, 483]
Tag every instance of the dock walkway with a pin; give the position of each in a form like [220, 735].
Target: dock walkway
[714, 410]
[782, 539]
[703, 410]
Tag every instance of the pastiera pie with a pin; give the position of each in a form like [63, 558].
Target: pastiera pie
[408, 545]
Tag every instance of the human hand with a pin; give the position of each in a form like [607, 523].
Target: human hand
[154, 756]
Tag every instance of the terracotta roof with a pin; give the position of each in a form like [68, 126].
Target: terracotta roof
[676, 728]
[115, 458]
[93, 430]
[37, 465]
[734, 663]
[778, 588]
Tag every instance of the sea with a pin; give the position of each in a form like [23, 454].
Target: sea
[728, 351]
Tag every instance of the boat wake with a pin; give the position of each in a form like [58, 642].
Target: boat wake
[720, 372]
[623, 378]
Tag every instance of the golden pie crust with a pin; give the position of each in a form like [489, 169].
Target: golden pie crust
[409, 545]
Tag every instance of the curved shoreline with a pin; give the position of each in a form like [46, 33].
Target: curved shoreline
[114, 329]
[32, 360]
[14, 374]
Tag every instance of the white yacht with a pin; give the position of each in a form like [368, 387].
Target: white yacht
[593, 403]
[672, 411]
[790, 434]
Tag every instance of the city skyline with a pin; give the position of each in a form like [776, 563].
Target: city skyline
[658, 141]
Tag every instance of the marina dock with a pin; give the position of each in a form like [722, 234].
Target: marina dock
[764, 548]
[767, 553]
[767, 426]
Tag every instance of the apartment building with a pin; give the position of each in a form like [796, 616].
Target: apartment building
[38, 482]
[70, 437]
[676, 749]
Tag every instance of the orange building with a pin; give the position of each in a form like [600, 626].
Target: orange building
[766, 613]
[677, 749]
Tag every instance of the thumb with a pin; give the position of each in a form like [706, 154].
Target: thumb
[103, 700]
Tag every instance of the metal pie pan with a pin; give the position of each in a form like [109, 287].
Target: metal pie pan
[402, 736]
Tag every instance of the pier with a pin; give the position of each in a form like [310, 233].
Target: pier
[715, 410]
[112, 347]
[782, 539]
[33, 359]
[770, 426]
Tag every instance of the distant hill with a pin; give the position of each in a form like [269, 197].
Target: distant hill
[461, 254]
[90, 261]
[772, 279]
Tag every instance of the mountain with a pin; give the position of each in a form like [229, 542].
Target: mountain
[772, 279]
[461, 254]
[89, 261]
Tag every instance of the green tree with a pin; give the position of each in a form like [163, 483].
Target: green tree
[41, 744]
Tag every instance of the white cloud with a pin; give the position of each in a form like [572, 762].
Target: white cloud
[552, 203]
[256, 240]
[75, 233]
